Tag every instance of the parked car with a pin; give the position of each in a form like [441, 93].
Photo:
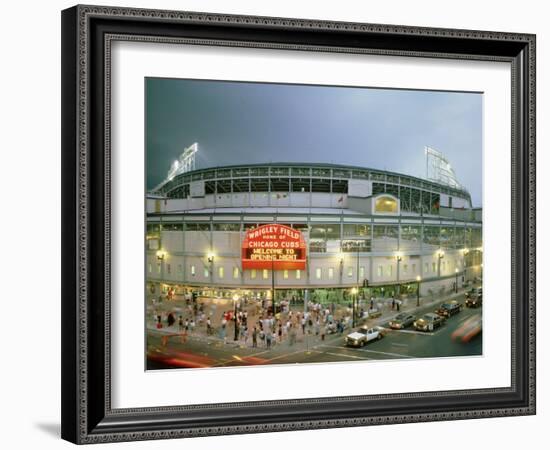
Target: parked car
[401, 321]
[429, 322]
[362, 336]
[449, 309]
[474, 301]
[473, 291]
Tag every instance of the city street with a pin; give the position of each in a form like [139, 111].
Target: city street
[166, 348]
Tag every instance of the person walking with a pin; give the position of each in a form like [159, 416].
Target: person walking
[392, 303]
[254, 338]
[303, 323]
[208, 326]
[268, 339]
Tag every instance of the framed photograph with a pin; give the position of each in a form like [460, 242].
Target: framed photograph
[284, 224]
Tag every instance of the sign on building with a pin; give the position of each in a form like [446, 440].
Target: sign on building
[274, 246]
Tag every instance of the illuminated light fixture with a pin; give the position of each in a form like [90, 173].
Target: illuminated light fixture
[440, 253]
[354, 290]
[418, 278]
[210, 257]
[399, 256]
[161, 254]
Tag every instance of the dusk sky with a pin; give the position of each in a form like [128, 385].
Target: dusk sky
[246, 123]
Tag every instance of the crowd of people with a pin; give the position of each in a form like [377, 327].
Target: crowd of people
[251, 322]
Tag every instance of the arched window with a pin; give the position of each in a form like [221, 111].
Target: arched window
[385, 204]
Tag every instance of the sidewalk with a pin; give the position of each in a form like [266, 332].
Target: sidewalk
[217, 306]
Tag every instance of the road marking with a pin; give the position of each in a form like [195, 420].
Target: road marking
[399, 355]
[399, 345]
[340, 355]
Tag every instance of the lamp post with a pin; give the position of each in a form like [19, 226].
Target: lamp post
[273, 285]
[161, 254]
[354, 299]
[235, 300]
[440, 255]
[210, 258]
[418, 279]
[398, 258]
[456, 280]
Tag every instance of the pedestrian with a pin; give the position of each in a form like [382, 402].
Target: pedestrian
[317, 327]
[159, 322]
[208, 326]
[323, 332]
[371, 302]
[280, 332]
[397, 303]
[180, 323]
[170, 320]
[303, 323]
[268, 339]
[392, 303]
[254, 338]
[191, 325]
[291, 336]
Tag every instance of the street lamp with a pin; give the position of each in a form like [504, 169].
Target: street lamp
[440, 255]
[210, 258]
[354, 291]
[456, 280]
[273, 284]
[235, 300]
[398, 258]
[418, 279]
[161, 254]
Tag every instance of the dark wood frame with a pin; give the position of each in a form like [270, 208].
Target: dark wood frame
[87, 32]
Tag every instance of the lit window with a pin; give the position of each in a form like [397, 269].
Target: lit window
[330, 273]
[150, 267]
[385, 204]
[235, 272]
[380, 271]
[298, 274]
[285, 274]
[362, 272]
[168, 268]
[433, 267]
[206, 272]
[193, 270]
[350, 271]
[426, 267]
[414, 268]
[221, 272]
[253, 274]
[264, 274]
[158, 267]
[318, 273]
[389, 270]
[405, 268]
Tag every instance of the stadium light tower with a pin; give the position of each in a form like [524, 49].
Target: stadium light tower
[185, 163]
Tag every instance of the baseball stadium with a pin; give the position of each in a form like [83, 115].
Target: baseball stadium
[310, 232]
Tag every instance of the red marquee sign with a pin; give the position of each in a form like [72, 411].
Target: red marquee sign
[274, 246]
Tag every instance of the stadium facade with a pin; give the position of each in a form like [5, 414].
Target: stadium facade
[322, 231]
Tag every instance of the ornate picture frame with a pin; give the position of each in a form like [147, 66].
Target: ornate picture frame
[87, 35]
